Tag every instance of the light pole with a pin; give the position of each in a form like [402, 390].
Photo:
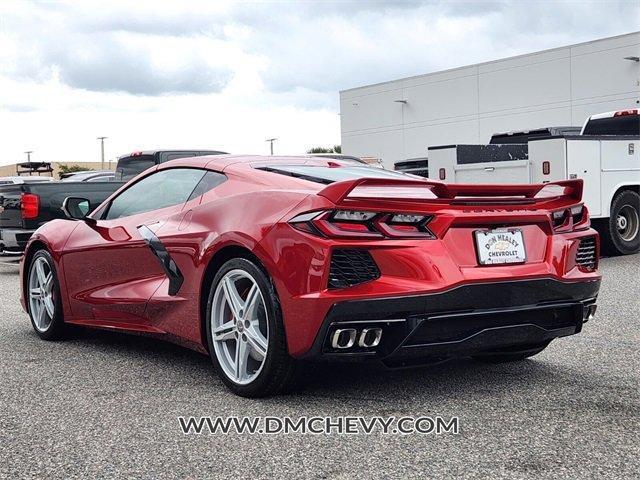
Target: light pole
[102, 150]
[271, 140]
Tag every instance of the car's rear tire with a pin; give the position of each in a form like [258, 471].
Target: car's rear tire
[621, 234]
[245, 331]
[43, 297]
[511, 354]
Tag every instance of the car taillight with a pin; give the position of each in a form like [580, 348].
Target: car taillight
[355, 224]
[569, 219]
[29, 205]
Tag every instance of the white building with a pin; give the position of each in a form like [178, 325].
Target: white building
[399, 119]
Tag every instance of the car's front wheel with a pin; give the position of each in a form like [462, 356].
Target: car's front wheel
[245, 331]
[43, 297]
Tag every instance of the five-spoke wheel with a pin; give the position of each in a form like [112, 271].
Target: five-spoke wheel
[245, 332]
[43, 296]
[240, 327]
[41, 301]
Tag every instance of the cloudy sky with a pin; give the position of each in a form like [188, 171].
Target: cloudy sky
[228, 75]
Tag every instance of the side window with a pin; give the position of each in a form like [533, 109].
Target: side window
[129, 167]
[210, 181]
[159, 190]
[173, 156]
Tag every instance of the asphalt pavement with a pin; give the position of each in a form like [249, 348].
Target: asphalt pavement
[105, 405]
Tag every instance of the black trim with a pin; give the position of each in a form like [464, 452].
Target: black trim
[442, 147]
[590, 137]
[168, 265]
[351, 266]
[471, 154]
[501, 314]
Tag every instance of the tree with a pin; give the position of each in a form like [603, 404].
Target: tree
[72, 168]
[334, 149]
[64, 169]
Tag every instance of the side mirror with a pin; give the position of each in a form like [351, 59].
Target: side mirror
[76, 208]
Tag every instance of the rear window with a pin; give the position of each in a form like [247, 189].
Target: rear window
[129, 167]
[167, 156]
[524, 137]
[620, 125]
[329, 175]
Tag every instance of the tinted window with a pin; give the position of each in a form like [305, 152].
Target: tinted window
[129, 167]
[210, 181]
[174, 156]
[166, 156]
[621, 125]
[159, 190]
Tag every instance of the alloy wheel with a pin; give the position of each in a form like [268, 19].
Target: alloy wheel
[41, 294]
[239, 326]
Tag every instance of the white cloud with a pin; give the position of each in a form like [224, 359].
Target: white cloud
[229, 74]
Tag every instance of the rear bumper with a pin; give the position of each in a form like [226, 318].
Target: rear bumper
[466, 320]
[14, 239]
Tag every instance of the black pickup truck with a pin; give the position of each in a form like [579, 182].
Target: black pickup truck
[25, 207]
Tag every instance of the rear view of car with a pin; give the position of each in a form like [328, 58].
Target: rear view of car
[411, 272]
[265, 262]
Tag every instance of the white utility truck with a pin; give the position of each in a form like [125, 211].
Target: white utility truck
[605, 154]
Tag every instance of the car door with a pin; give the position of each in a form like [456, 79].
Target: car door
[110, 269]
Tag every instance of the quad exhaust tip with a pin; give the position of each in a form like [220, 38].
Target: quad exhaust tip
[345, 338]
[590, 312]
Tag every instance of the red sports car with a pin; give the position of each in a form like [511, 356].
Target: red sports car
[265, 261]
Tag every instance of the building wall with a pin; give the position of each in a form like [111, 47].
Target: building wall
[562, 86]
[10, 170]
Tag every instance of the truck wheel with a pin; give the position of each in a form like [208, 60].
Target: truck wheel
[622, 236]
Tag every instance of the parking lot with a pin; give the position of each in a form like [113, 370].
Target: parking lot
[106, 404]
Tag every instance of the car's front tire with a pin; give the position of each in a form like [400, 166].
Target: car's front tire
[43, 297]
[245, 331]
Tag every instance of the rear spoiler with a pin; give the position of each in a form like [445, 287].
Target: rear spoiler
[570, 191]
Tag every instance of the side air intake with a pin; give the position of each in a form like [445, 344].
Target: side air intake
[587, 255]
[351, 267]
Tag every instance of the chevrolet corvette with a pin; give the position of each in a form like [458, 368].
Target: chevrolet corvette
[265, 262]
